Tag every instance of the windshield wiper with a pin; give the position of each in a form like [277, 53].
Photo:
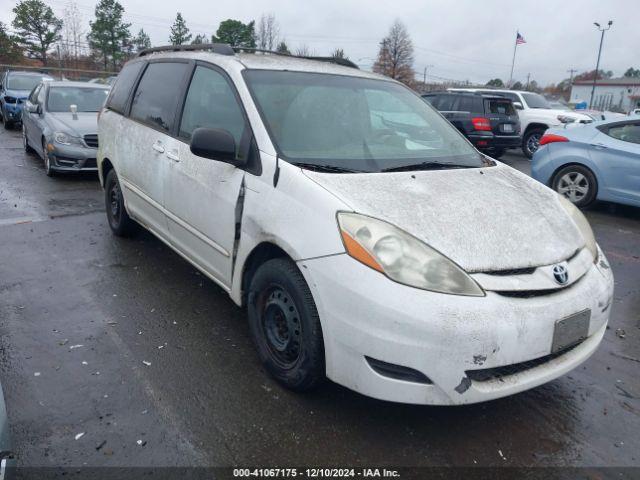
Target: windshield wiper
[425, 166]
[325, 168]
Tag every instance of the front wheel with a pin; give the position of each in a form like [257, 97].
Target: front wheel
[577, 183]
[531, 141]
[285, 325]
[25, 141]
[47, 161]
[119, 221]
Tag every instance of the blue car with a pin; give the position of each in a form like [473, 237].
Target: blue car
[14, 90]
[597, 161]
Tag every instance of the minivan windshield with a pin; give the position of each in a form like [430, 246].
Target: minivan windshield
[343, 123]
[535, 100]
[23, 82]
[86, 99]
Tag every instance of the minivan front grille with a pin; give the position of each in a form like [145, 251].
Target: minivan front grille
[91, 140]
[498, 373]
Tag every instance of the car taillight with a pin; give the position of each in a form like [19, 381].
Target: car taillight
[552, 138]
[481, 123]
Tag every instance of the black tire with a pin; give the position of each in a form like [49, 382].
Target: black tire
[8, 125]
[47, 161]
[531, 141]
[25, 141]
[577, 183]
[119, 221]
[496, 153]
[285, 325]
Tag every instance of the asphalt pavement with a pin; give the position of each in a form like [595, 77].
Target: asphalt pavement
[117, 352]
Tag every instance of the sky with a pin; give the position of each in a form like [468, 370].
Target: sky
[460, 40]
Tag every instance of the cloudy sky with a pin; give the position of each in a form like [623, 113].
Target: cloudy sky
[462, 40]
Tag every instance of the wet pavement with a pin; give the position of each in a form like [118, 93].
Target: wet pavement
[125, 342]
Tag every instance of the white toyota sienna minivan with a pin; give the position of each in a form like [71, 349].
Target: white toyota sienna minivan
[369, 241]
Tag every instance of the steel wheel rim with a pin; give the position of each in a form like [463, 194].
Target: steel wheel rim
[114, 202]
[533, 142]
[574, 186]
[281, 326]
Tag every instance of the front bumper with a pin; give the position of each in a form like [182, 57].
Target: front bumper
[12, 111]
[364, 314]
[71, 158]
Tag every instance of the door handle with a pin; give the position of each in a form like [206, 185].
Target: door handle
[599, 146]
[158, 147]
[173, 156]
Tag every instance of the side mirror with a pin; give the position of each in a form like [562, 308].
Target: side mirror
[215, 144]
[31, 108]
[518, 106]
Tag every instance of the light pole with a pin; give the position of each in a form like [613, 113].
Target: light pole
[595, 76]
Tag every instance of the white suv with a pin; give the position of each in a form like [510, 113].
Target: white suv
[536, 115]
[367, 238]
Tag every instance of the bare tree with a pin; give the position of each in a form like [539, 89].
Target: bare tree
[395, 58]
[339, 53]
[268, 33]
[74, 33]
[303, 51]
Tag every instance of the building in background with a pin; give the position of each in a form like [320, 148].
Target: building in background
[621, 94]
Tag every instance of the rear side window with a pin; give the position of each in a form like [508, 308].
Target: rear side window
[501, 107]
[466, 104]
[117, 100]
[444, 103]
[155, 99]
[629, 132]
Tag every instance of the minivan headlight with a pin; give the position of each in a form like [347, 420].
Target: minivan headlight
[402, 257]
[583, 225]
[66, 139]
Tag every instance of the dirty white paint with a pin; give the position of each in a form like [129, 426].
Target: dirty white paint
[484, 219]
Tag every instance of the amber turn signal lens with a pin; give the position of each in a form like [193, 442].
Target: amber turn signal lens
[358, 252]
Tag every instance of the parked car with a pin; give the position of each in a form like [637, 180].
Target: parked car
[60, 125]
[368, 239]
[599, 161]
[535, 113]
[489, 122]
[14, 89]
[7, 457]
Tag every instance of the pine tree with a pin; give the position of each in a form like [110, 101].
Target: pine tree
[37, 28]
[179, 32]
[141, 41]
[109, 34]
[236, 33]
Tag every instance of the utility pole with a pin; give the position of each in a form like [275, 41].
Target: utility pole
[528, 77]
[571, 71]
[424, 77]
[595, 76]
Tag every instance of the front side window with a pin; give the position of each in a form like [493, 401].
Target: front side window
[33, 98]
[155, 99]
[629, 132]
[354, 123]
[85, 99]
[211, 103]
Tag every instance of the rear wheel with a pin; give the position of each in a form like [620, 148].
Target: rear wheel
[577, 183]
[531, 141]
[285, 325]
[8, 125]
[119, 221]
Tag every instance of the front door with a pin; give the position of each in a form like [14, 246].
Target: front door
[201, 194]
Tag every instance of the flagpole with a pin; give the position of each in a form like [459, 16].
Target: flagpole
[515, 47]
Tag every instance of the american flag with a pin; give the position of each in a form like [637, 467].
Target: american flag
[520, 39]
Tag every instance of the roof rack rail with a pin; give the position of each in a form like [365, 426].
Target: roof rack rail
[338, 61]
[221, 48]
[226, 49]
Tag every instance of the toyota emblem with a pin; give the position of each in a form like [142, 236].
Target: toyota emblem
[560, 274]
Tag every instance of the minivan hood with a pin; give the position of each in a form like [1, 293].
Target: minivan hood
[484, 219]
[86, 123]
